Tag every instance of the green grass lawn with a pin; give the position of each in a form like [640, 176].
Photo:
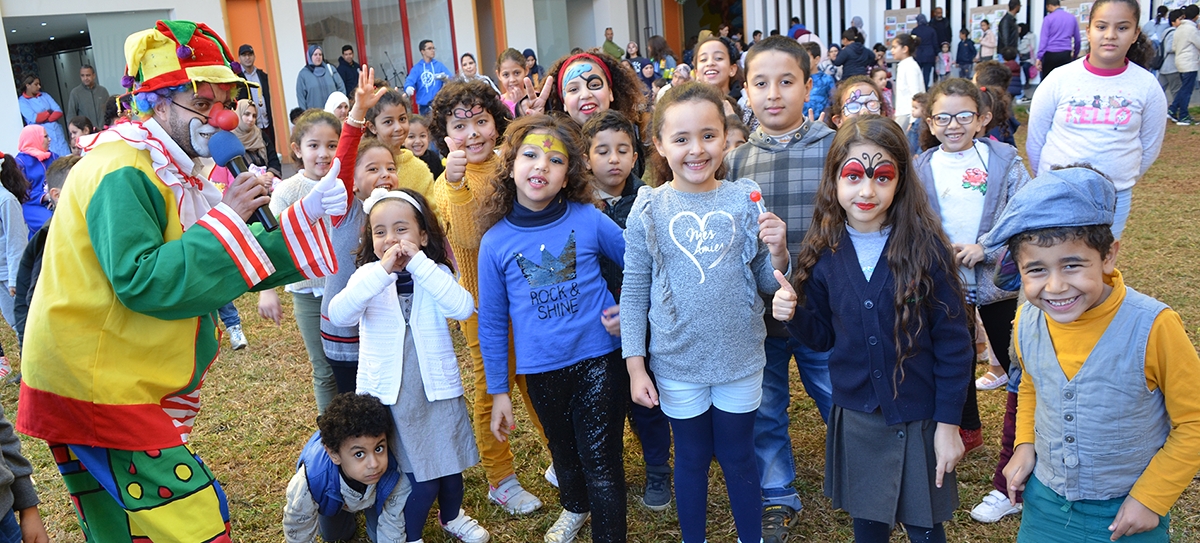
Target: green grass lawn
[259, 409]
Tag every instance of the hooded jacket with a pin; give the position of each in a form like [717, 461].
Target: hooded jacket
[855, 59]
[926, 53]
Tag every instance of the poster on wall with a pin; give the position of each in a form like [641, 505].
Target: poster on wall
[992, 14]
[899, 21]
[1082, 10]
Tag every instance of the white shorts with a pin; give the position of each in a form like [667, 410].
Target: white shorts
[682, 400]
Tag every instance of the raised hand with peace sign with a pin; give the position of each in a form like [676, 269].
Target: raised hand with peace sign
[535, 102]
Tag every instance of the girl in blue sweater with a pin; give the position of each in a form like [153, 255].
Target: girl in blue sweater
[700, 251]
[879, 284]
[539, 266]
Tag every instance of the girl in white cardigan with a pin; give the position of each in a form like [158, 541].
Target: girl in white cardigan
[400, 298]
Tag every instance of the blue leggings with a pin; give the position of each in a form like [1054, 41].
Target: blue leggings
[730, 437]
[870, 531]
[448, 491]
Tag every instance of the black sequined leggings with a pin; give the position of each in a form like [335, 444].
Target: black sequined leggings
[582, 409]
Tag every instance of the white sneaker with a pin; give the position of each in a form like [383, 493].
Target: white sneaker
[6, 368]
[552, 476]
[237, 339]
[566, 527]
[513, 498]
[466, 529]
[994, 507]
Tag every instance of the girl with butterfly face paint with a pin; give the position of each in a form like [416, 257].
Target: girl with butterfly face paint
[875, 282]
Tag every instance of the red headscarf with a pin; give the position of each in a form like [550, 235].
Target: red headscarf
[33, 142]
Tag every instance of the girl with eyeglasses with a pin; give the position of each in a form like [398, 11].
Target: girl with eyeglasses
[969, 181]
[854, 96]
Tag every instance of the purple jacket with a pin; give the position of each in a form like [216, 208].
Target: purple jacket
[1058, 31]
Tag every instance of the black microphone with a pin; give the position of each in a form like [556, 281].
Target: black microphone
[228, 151]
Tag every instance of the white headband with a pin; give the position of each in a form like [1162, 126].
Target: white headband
[381, 194]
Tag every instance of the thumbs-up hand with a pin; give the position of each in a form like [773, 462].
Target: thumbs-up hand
[783, 306]
[328, 196]
[456, 161]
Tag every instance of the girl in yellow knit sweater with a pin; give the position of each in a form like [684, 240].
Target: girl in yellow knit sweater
[387, 120]
[467, 119]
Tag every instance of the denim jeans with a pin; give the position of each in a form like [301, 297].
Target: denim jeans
[1179, 105]
[772, 443]
[229, 315]
[10, 531]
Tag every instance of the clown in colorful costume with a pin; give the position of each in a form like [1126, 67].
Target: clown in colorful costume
[142, 253]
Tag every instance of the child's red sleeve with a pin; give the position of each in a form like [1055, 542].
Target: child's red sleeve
[347, 153]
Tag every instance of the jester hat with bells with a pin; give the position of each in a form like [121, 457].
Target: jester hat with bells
[177, 53]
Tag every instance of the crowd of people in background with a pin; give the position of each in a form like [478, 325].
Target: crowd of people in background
[464, 194]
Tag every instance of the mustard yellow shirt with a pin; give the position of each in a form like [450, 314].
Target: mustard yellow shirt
[1171, 365]
[458, 208]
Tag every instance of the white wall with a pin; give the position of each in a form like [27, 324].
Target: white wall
[612, 13]
[581, 27]
[465, 38]
[519, 26]
[289, 47]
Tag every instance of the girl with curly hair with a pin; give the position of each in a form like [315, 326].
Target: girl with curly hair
[539, 267]
[467, 120]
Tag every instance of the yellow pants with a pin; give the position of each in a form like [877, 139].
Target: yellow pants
[495, 456]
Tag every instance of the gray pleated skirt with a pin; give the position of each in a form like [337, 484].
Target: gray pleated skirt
[886, 473]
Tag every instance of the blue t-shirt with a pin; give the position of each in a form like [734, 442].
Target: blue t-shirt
[547, 280]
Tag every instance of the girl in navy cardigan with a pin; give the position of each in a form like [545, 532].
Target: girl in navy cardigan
[880, 288]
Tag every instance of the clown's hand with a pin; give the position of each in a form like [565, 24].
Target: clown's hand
[328, 196]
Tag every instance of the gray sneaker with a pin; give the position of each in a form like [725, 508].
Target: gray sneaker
[237, 339]
[658, 488]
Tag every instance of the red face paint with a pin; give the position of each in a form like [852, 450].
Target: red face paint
[853, 167]
[885, 171]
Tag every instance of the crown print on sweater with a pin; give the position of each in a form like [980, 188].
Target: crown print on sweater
[553, 269]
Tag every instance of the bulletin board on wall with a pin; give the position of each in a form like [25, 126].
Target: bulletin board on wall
[993, 14]
[1081, 9]
[899, 21]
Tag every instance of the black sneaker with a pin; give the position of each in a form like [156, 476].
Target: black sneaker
[658, 488]
[1185, 120]
[1171, 115]
[777, 521]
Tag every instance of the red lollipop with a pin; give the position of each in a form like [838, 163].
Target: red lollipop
[756, 197]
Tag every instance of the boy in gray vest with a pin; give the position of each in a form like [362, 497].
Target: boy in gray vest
[1105, 421]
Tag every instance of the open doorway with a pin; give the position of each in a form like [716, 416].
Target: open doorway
[52, 49]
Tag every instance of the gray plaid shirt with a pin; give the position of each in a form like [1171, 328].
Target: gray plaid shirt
[789, 174]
